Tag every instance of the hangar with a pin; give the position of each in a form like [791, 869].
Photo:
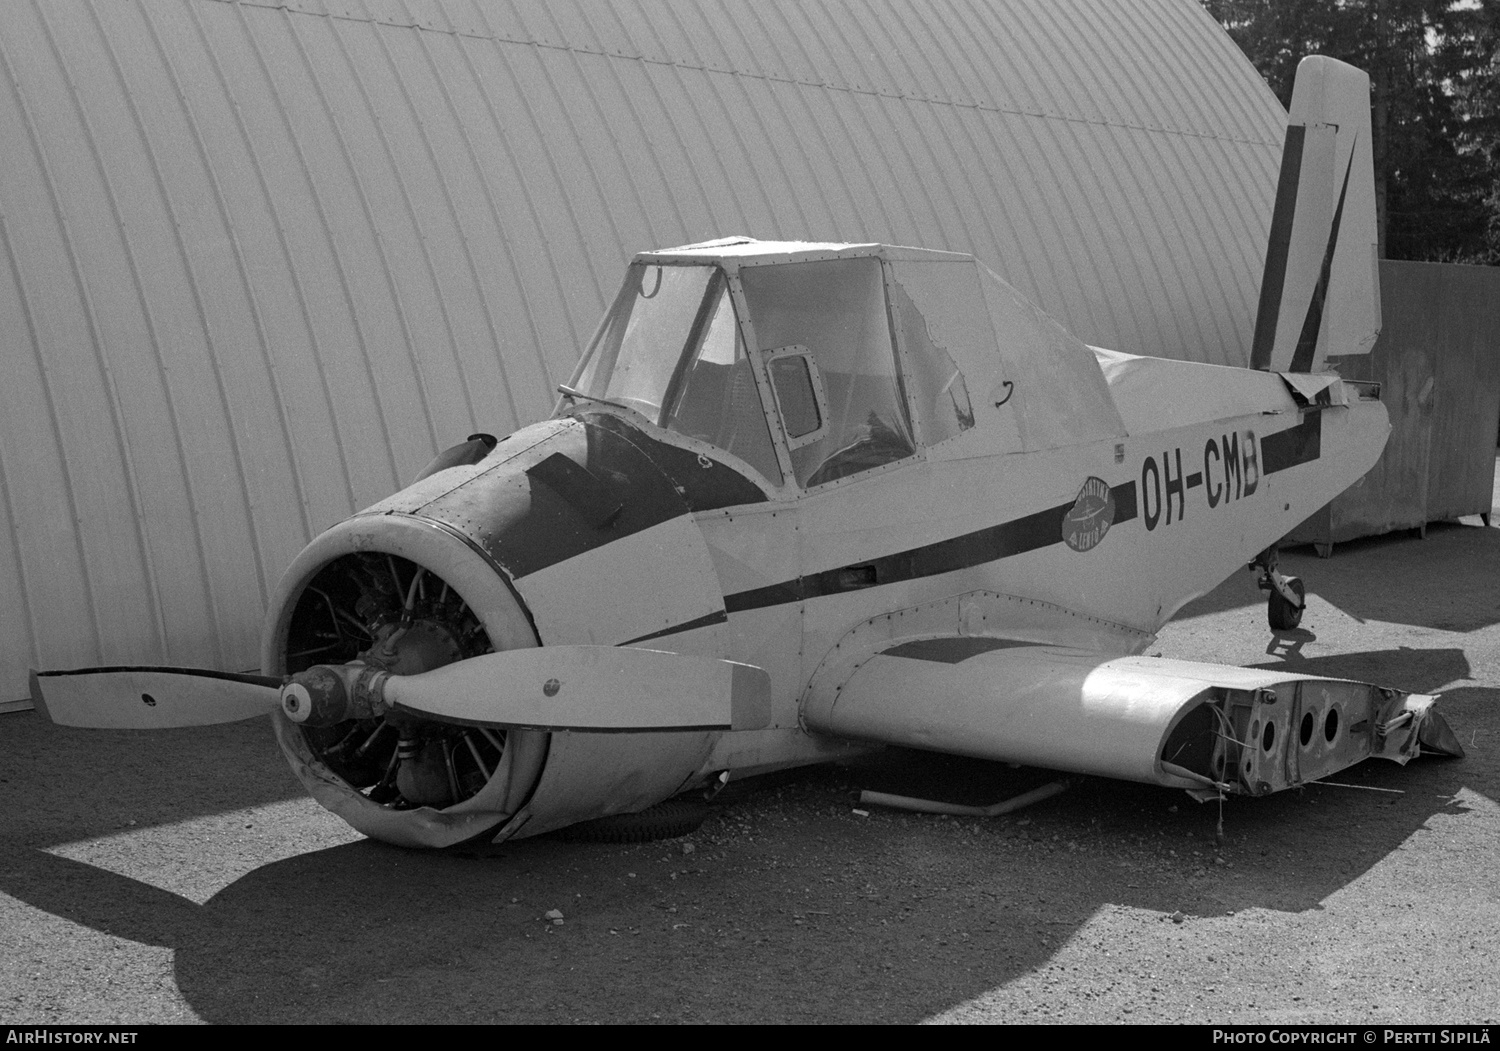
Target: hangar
[259, 261]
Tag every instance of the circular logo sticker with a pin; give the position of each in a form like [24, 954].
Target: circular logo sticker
[1090, 516]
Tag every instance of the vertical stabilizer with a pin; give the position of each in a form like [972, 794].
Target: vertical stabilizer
[1320, 293]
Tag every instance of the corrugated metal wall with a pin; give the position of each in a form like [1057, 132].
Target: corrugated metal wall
[258, 261]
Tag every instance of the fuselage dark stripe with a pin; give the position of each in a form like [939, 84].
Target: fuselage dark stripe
[1027, 533]
[1295, 445]
[1124, 497]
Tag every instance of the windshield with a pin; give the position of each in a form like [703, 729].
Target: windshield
[670, 349]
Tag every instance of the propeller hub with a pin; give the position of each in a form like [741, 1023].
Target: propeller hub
[324, 695]
[296, 702]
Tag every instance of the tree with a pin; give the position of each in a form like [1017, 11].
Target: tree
[1434, 70]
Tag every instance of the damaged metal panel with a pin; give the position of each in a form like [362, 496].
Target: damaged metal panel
[1176, 723]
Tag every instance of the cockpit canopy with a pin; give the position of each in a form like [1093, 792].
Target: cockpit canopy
[822, 361]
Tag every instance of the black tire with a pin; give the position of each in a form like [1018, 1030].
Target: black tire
[1282, 615]
[665, 820]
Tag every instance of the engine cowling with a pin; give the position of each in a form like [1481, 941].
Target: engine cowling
[487, 557]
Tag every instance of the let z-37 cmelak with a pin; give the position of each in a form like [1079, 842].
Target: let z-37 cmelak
[801, 499]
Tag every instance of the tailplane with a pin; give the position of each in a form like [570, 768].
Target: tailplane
[1320, 294]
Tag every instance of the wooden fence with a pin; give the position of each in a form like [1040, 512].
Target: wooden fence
[1438, 364]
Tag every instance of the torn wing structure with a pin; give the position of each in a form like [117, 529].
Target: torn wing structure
[798, 499]
[1196, 726]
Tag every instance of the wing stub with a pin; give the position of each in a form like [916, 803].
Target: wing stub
[1174, 723]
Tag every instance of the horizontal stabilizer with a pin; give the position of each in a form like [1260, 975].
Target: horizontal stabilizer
[151, 698]
[602, 689]
[1319, 389]
[1167, 722]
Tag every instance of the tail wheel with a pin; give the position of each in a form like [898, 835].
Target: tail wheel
[392, 613]
[1283, 615]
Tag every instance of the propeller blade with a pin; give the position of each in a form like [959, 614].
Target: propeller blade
[601, 689]
[151, 698]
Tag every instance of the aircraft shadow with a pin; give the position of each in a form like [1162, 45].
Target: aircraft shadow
[1405, 668]
[1396, 572]
[1389, 578]
[790, 907]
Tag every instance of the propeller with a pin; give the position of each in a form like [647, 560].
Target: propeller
[151, 698]
[604, 689]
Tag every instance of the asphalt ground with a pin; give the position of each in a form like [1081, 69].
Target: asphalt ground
[183, 877]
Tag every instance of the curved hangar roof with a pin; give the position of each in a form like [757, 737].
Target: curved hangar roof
[259, 260]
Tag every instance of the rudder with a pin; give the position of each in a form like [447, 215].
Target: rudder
[1320, 291]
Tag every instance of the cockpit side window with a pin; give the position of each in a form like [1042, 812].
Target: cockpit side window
[671, 350]
[836, 310]
[799, 395]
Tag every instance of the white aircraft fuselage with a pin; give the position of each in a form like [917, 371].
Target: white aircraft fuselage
[614, 525]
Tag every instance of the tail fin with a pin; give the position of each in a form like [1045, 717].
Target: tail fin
[1320, 293]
